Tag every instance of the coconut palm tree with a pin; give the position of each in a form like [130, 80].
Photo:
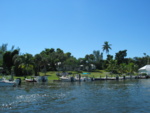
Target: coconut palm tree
[44, 61]
[112, 65]
[26, 62]
[130, 68]
[122, 68]
[98, 56]
[37, 63]
[106, 47]
[17, 60]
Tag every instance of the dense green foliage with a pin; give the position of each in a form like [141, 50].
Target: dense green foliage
[13, 62]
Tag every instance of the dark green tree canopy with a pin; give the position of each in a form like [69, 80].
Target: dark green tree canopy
[52, 59]
[120, 56]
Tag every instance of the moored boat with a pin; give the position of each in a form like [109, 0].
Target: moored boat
[5, 82]
[30, 80]
[37, 79]
[67, 79]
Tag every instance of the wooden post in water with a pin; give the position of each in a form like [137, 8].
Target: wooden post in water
[117, 78]
[79, 77]
[130, 76]
[124, 77]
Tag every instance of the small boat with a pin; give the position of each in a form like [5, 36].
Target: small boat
[85, 79]
[80, 79]
[37, 79]
[67, 79]
[5, 82]
[30, 80]
[89, 79]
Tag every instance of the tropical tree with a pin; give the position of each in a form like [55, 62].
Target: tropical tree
[122, 68]
[130, 68]
[147, 57]
[68, 54]
[3, 49]
[26, 63]
[98, 59]
[8, 59]
[98, 56]
[70, 64]
[140, 61]
[120, 57]
[37, 63]
[112, 66]
[7, 62]
[89, 58]
[106, 47]
[17, 60]
[44, 62]
[1, 58]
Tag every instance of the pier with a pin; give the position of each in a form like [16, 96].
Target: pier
[123, 77]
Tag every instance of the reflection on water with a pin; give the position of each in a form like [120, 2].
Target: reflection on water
[129, 96]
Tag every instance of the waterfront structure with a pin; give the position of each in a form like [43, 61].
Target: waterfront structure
[145, 69]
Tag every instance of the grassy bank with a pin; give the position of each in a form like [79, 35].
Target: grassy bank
[52, 74]
[96, 74]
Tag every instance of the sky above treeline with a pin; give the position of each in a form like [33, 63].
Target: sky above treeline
[76, 26]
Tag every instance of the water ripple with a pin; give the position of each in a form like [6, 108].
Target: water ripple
[101, 96]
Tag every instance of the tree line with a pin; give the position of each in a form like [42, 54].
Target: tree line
[50, 59]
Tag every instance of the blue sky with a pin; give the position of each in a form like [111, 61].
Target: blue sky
[76, 26]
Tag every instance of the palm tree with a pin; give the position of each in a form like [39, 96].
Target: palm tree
[44, 61]
[37, 63]
[17, 60]
[3, 48]
[98, 56]
[130, 68]
[112, 65]
[106, 47]
[122, 68]
[26, 62]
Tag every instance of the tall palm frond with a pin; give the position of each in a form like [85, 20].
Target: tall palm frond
[106, 47]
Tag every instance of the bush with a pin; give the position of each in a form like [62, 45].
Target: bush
[144, 74]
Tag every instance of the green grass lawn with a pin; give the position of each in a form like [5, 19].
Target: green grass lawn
[96, 74]
[52, 74]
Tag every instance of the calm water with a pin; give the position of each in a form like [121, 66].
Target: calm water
[129, 96]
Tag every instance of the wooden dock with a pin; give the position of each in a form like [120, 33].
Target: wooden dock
[122, 77]
[116, 78]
